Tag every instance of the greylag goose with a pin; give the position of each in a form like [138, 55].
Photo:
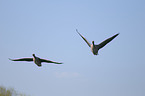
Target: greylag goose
[36, 60]
[95, 48]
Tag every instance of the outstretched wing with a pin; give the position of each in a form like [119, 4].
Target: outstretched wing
[84, 39]
[22, 59]
[102, 44]
[48, 61]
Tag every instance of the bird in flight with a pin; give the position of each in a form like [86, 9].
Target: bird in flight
[36, 60]
[95, 48]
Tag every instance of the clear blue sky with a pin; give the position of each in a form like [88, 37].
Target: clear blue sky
[47, 28]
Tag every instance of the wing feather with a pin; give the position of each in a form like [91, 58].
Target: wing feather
[102, 44]
[22, 59]
[48, 61]
[84, 39]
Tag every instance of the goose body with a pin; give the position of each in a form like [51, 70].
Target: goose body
[95, 48]
[36, 60]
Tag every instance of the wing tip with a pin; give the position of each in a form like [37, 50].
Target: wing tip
[10, 59]
[117, 34]
[59, 63]
[77, 31]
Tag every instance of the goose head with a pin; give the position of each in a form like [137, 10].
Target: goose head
[93, 43]
[33, 55]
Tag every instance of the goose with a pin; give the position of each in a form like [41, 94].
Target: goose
[35, 59]
[95, 48]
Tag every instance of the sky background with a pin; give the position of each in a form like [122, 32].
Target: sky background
[47, 28]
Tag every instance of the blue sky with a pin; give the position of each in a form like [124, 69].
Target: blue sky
[47, 28]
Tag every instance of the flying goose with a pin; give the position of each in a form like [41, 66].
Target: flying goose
[36, 60]
[95, 48]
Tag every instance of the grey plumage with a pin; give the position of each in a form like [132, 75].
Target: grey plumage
[95, 48]
[36, 60]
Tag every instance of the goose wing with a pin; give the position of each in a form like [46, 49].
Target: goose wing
[102, 44]
[84, 39]
[48, 61]
[22, 59]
